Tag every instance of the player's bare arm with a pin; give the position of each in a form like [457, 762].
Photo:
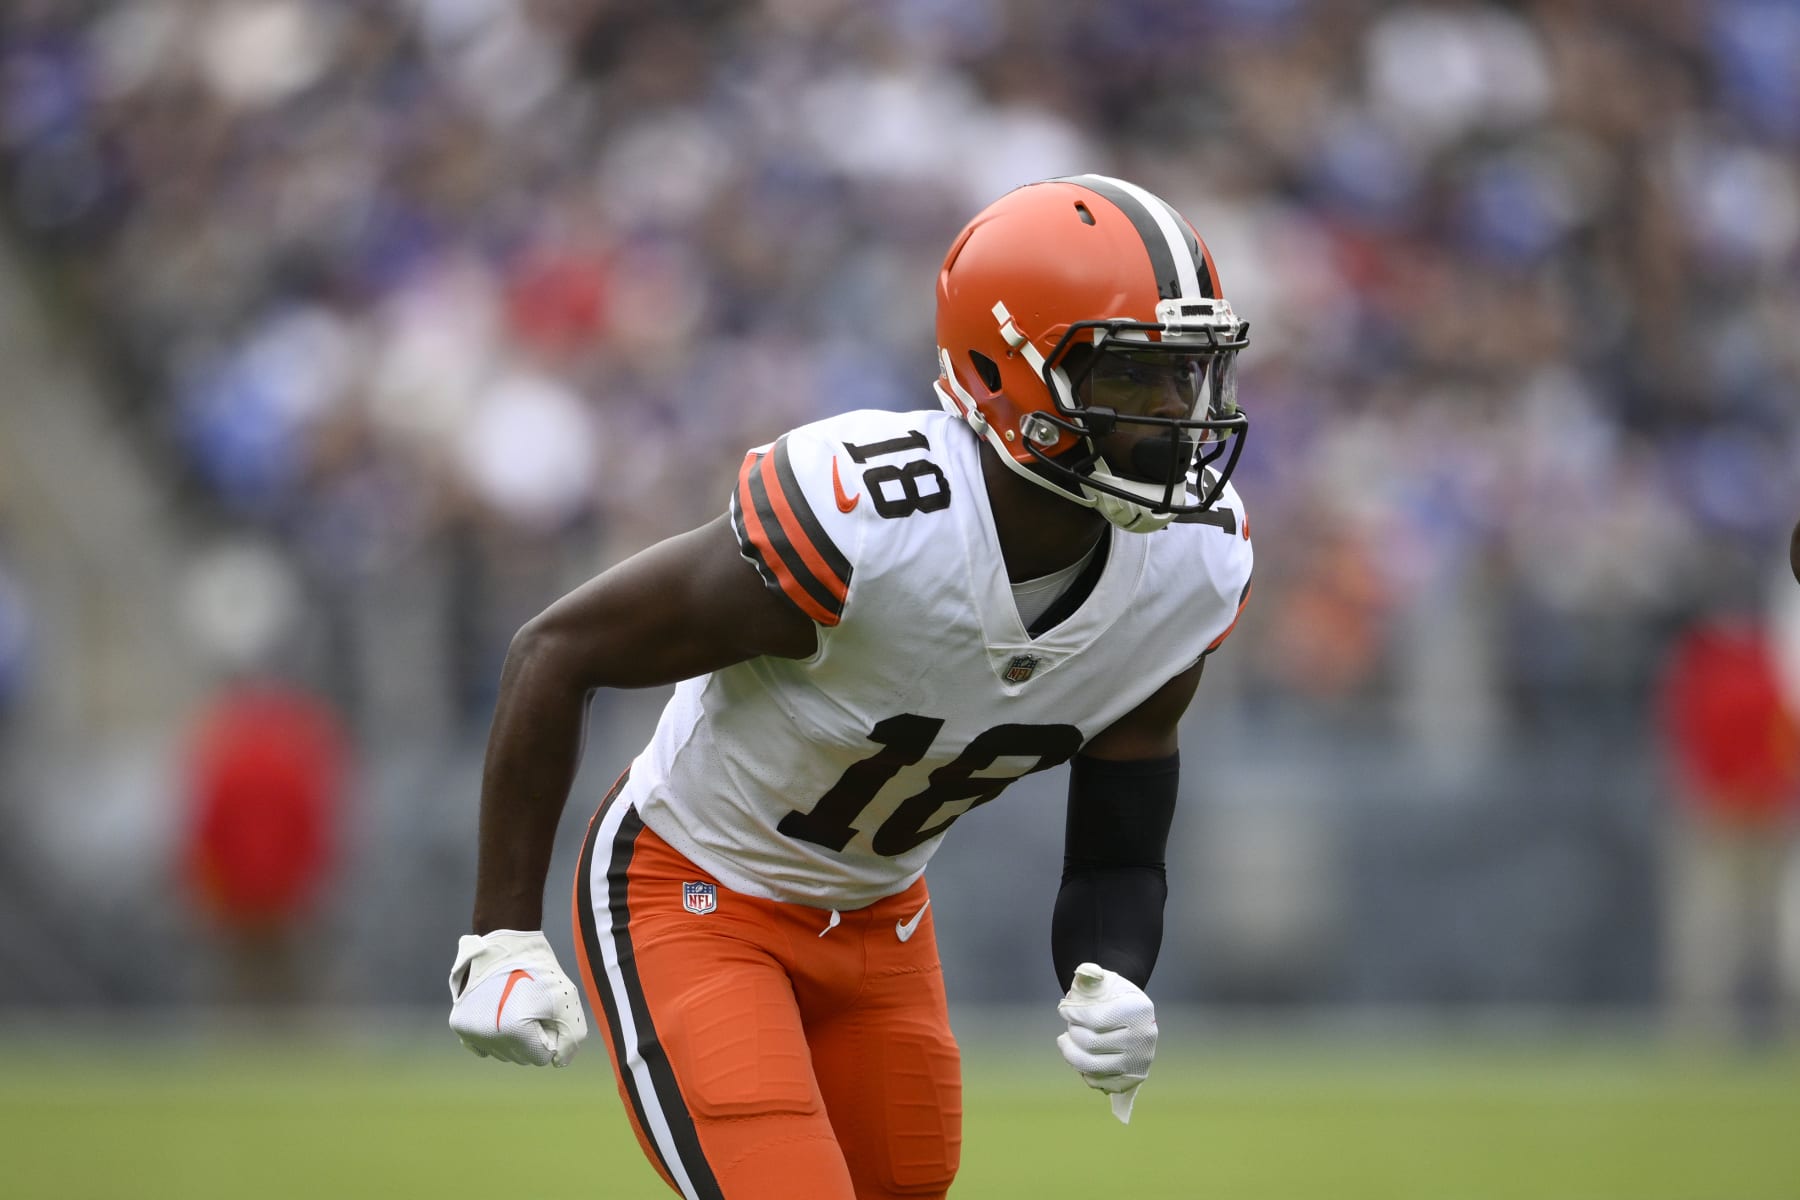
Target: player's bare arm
[681, 608]
[1150, 730]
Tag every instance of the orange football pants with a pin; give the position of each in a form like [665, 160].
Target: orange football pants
[764, 1051]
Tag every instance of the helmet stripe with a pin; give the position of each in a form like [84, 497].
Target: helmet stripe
[1195, 252]
[1175, 254]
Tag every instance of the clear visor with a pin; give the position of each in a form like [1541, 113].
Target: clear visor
[1142, 383]
[1168, 381]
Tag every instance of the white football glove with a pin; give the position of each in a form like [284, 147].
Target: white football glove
[511, 1000]
[1112, 1034]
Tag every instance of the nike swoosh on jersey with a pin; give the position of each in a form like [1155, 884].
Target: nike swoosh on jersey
[905, 929]
[844, 502]
[512, 981]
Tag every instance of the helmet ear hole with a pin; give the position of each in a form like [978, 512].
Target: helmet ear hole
[987, 368]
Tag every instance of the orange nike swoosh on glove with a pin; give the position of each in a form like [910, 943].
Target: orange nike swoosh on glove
[844, 502]
[511, 982]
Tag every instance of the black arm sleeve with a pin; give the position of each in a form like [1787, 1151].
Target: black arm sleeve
[1110, 908]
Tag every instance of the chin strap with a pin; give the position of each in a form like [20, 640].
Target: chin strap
[1126, 514]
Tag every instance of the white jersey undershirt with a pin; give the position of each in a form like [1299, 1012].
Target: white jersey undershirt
[1033, 597]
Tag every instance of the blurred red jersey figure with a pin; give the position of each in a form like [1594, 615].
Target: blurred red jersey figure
[265, 770]
[1734, 747]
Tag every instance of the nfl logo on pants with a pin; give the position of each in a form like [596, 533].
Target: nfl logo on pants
[699, 898]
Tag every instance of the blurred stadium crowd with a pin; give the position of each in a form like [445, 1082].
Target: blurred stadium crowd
[443, 304]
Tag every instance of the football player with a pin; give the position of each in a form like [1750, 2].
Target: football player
[900, 614]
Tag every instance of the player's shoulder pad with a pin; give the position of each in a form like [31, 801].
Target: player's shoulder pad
[1220, 544]
[796, 509]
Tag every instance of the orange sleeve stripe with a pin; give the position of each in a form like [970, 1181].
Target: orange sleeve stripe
[796, 532]
[765, 549]
[1220, 640]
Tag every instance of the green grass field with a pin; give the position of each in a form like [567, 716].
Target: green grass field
[1221, 1118]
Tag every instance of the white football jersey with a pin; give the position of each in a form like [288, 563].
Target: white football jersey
[830, 780]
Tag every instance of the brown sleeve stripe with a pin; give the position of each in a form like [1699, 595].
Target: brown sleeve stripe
[831, 563]
[754, 543]
[779, 532]
[795, 532]
[747, 545]
[1243, 599]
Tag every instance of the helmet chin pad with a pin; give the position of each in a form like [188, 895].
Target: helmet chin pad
[1128, 515]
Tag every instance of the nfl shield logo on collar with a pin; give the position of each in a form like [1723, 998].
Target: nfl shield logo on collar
[699, 898]
[1020, 668]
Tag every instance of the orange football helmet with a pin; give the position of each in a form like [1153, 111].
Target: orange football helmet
[1082, 332]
